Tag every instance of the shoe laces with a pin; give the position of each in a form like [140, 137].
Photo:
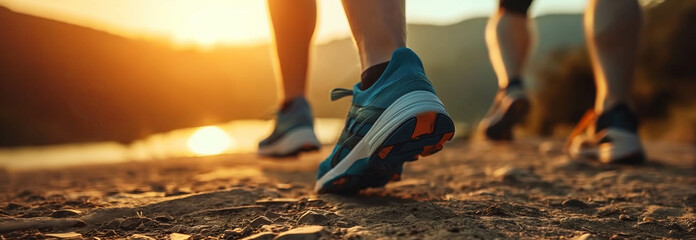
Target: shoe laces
[338, 93]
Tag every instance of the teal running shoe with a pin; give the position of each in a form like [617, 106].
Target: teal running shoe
[293, 132]
[392, 122]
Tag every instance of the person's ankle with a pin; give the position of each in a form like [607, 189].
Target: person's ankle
[609, 104]
[514, 83]
[372, 74]
[514, 87]
[287, 102]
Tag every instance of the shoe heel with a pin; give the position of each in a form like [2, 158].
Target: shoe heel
[520, 109]
[416, 124]
[293, 143]
[422, 135]
[502, 130]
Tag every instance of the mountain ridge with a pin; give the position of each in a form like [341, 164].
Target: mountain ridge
[77, 84]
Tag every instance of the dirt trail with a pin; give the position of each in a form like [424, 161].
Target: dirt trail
[526, 190]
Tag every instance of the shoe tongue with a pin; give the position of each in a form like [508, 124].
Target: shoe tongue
[619, 116]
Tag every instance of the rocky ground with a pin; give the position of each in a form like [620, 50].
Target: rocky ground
[527, 190]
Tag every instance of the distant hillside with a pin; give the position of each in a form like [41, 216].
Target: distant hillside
[554, 33]
[65, 83]
[456, 59]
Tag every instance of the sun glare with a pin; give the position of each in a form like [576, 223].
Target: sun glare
[214, 25]
[209, 141]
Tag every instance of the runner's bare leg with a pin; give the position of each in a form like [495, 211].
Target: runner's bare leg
[507, 38]
[293, 25]
[612, 28]
[378, 27]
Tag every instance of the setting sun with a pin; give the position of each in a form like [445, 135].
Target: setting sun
[209, 141]
[211, 23]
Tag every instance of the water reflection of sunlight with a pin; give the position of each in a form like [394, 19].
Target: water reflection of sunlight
[239, 136]
[209, 140]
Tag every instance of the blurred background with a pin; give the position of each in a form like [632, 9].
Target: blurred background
[104, 81]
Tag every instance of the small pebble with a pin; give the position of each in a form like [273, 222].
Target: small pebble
[358, 232]
[648, 219]
[267, 228]
[179, 236]
[305, 233]
[236, 233]
[574, 203]
[586, 236]
[625, 217]
[67, 235]
[65, 213]
[312, 218]
[261, 236]
[616, 237]
[284, 186]
[509, 173]
[139, 237]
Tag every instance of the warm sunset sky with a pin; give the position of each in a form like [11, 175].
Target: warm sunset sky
[238, 22]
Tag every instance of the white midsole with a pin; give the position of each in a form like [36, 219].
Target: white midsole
[624, 144]
[291, 142]
[404, 108]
